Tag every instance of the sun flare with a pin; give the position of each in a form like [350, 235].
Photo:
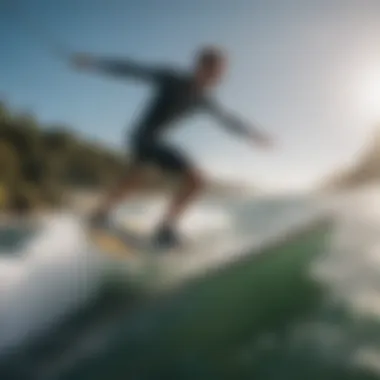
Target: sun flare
[369, 94]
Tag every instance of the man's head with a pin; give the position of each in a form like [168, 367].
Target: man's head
[209, 66]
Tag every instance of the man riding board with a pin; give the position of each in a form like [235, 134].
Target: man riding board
[176, 94]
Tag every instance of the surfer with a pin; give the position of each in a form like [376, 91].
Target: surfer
[177, 94]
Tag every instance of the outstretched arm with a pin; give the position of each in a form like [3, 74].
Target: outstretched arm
[123, 68]
[236, 125]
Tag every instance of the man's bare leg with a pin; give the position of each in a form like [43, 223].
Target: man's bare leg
[128, 185]
[190, 187]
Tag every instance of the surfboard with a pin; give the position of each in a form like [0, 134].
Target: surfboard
[124, 242]
[117, 240]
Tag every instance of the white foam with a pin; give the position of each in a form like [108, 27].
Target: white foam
[352, 267]
[59, 271]
[53, 277]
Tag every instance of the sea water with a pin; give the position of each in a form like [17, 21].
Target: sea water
[56, 268]
[59, 270]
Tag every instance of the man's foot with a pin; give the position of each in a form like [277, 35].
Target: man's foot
[166, 238]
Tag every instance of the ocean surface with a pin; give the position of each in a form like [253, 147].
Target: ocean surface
[51, 269]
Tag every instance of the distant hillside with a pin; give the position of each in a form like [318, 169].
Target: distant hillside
[40, 165]
[365, 170]
[39, 162]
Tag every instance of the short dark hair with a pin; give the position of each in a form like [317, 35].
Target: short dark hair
[210, 55]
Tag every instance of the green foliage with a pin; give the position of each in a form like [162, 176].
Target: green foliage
[37, 163]
[4, 113]
[9, 163]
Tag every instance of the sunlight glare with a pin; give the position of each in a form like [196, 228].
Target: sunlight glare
[369, 94]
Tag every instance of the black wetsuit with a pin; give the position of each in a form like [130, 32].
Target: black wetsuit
[175, 97]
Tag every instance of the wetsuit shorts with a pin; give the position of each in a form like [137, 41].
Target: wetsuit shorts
[160, 154]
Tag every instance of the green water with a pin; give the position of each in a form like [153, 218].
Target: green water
[239, 323]
[261, 318]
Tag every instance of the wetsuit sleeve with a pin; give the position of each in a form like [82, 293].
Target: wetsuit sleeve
[226, 119]
[127, 68]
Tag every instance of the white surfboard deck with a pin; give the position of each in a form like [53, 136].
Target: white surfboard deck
[126, 242]
[118, 241]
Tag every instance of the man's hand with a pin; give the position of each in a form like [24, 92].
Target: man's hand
[82, 61]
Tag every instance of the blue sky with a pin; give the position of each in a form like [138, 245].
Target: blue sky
[307, 70]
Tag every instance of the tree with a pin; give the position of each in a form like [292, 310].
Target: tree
[9, 171]
[4, 113]
[37, 163]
